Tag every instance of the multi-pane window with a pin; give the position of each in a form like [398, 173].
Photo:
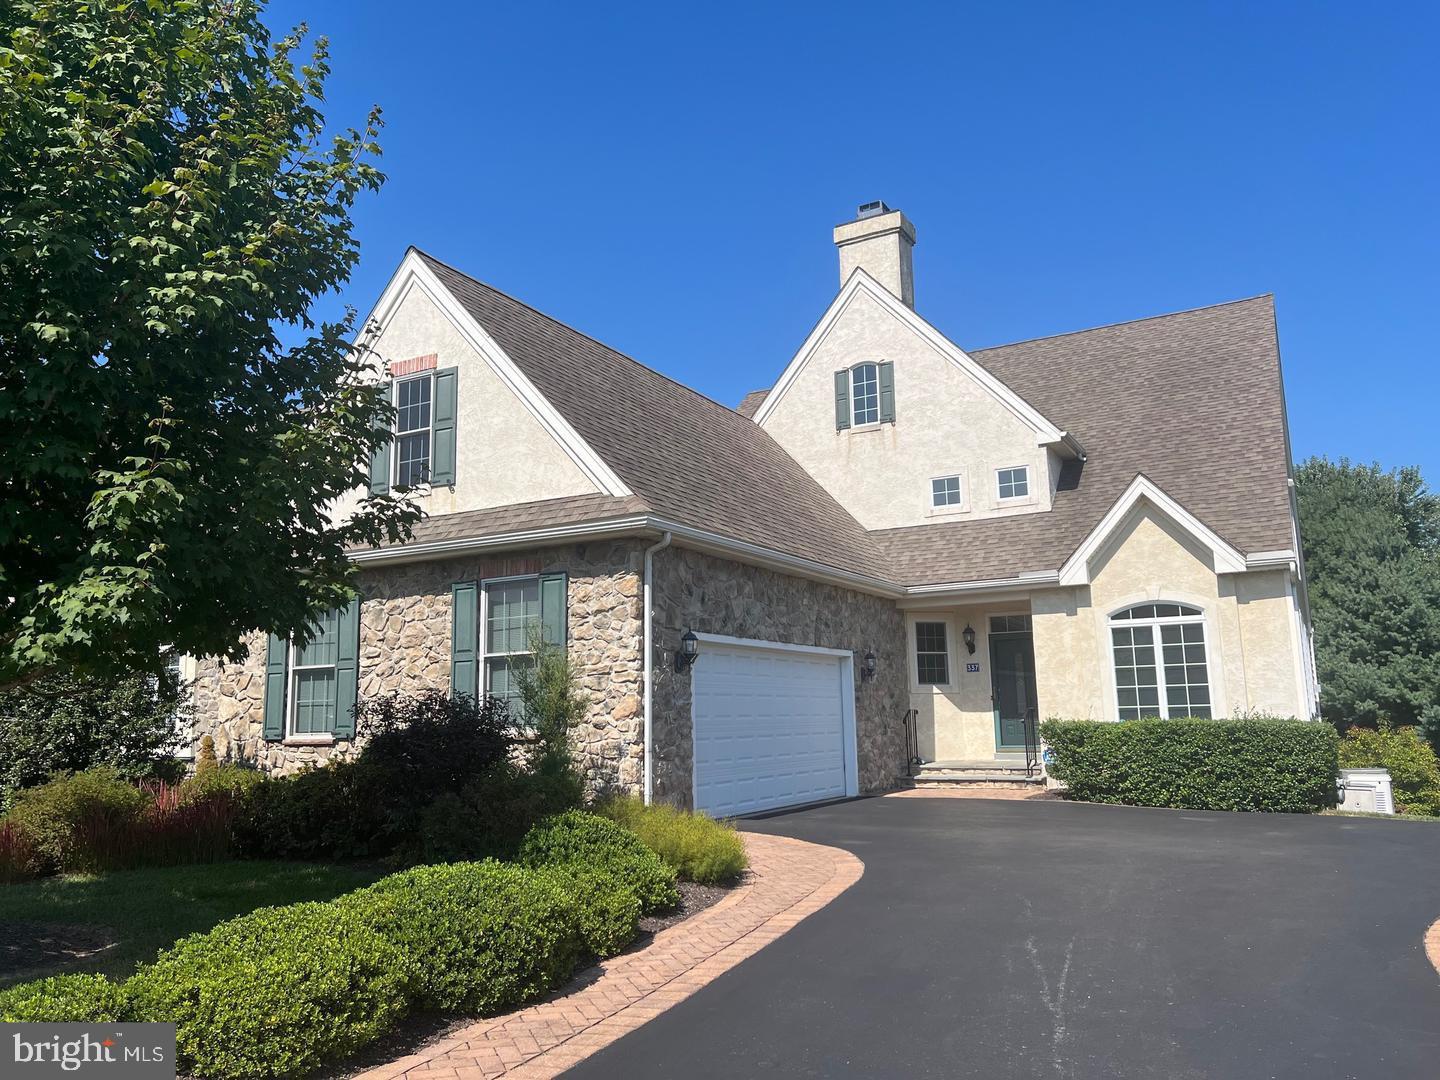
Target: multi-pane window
[932, 655]
[864, 394]
[1014, 483]
[412, 431]
[1160, 664]
[945, 491]
[313, 683]
[512, 615]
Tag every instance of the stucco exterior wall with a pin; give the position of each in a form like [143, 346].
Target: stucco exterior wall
[694, 591]
[957, 722]
[405, 630]
[945, 424]
[1249, 625]
[493, 428]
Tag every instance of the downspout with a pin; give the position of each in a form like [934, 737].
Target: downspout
[647, 632]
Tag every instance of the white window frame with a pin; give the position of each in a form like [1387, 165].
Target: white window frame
[292, 695]
[484, 629]
[914, 650]
[855, 421]
[1162, 687]
[1010, 500]
[427, 376]
[949, 508]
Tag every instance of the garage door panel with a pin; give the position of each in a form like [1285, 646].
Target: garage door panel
[769, 728]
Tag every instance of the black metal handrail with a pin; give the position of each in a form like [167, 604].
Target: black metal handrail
[1032, 740]
[912, 740]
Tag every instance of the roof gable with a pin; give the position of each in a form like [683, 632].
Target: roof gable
[861, 284]
[689, 458]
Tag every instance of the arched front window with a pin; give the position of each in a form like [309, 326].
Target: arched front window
[1176, 682]
[864, 394]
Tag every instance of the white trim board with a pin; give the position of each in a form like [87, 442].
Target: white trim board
[861, 282]
[1076, 570]
[414, 273]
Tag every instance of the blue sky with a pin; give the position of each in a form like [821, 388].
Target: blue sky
[665, 177]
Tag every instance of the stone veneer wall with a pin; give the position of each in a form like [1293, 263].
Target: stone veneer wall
[711, 595]
[405, 646]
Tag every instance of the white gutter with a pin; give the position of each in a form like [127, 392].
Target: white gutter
[439, 549]
[647, 619]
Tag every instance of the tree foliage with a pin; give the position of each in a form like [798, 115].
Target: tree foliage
[70, 723]
[1372, 557]
[170, 207]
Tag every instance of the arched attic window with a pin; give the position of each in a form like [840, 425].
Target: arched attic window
[1161, 666]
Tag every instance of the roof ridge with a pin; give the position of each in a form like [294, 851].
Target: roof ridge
[1126, 322]
[578, 333]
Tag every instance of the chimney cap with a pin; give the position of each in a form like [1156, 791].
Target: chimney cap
[871, 209]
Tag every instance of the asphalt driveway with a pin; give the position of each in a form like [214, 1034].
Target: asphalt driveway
[1042, 939]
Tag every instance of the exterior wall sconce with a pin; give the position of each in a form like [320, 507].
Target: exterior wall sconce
[969, 635]
[867, 667]
[688, 651]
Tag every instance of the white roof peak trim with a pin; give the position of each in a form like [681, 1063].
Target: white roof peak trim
[414, 273]
[1076, 571]
[861, 282]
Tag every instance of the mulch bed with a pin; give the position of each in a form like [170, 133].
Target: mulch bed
[32, 949]
[421, 1029]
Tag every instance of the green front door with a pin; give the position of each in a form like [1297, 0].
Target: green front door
[1012, 667]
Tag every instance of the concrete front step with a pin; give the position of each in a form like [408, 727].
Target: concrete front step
[990, 774]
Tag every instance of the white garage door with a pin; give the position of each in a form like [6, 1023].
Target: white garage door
[771, 727]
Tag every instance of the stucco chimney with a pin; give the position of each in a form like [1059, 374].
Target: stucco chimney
[880, 240]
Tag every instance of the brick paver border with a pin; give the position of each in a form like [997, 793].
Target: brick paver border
[788, 880]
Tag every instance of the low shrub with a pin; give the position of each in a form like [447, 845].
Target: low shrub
[480, 936]
[584, 841]
[276, 992]
[19, 859]
[605, 907]
[490, 817]
[697, 847]
[236, 780]
[1411, 761]
[73, 820]
[335, 812]
[1255, 763]
[65, 998]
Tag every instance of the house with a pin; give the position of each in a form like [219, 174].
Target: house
[901, 549]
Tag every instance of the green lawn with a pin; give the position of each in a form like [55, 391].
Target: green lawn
[149, 909]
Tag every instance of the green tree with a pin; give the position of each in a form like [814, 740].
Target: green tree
[1372, 557]
[69, 723]
[170, 207]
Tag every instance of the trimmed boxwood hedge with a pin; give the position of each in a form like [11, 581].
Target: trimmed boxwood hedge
[276, 992]
[587, 842]
[1254, 764]
[284, 990]
[480, 937]
[92, 999]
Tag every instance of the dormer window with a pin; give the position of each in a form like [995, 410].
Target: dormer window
[865, 395]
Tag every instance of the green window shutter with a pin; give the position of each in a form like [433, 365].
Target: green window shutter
[887, 393]
[276, 655]
[842, 400]
[464, 639]
[380, 459]
[554, 601]
[347, 669]
[442, 428]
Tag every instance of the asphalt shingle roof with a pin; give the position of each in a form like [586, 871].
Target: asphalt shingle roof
[1192, 400]
[687, 457]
